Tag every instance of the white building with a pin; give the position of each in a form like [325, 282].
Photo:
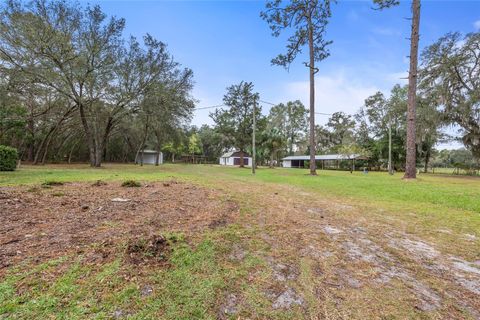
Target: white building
[299, 161]
[233, 159]
[149, 157]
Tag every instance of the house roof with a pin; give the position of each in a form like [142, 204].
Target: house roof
[326, 157]
[233, 153]
[149, 151]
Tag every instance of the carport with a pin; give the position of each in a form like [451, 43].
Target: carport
[322, 161]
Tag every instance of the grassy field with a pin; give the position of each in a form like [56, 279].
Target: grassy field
[412, 249]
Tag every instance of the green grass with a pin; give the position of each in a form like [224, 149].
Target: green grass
[436, 200]
[446, 191]
[451, 200]
[200, 274]
[189, 288]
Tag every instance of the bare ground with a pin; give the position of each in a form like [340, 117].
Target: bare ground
[351, 266]
[38, 224]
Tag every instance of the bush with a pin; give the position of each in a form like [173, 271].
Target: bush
[8, 158]
[50, 183]
[131, 183]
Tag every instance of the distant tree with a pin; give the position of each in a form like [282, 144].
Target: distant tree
[80, 54]
[341, 127]
[324, 139]
[308, 19]
[273, 142]
[352, 149]
[194, 144]
[376, 117]
[12, 117]
[291, 120]
[235, 123]
[211, 142]
[411, 162]
[450, 77]
[429, 123]
[175, 146]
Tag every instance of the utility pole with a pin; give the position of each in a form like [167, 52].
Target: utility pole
[253, 135]
[390, 169]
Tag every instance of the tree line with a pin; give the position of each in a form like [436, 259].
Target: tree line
[447, 100]
[73, 88]
[72, 85]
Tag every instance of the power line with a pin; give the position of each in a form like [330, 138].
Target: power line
[270, 103]
[211, 107]
[273, 104]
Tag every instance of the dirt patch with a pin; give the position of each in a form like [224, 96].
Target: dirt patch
[283, 272]
[154, 249]
[331, 230]
[39, 226]
[418, 249]
[287, 299]
[230, 307]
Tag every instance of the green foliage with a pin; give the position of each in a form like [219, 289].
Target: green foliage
[290, 120]
[303, 17]
[450, 79]
[235, 124]
[135, 83]
[50, 183]
[384, 4]
[8, 158]
[12, 116]
[212, 143]
[131, 184]
[194, 144]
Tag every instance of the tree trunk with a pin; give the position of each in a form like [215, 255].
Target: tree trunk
[45, 152]
[31, 144]
[159, 147]
[410, 167]
[44, 144]
[144, 140]
[242, 164]
[271, 159]
[106, 135]
[313, 170]
[98, 155]
[427, 160]
[88, 136]
[39, 150]
[71, 152]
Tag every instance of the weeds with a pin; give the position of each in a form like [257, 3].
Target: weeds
[51, 183]
[131, 184]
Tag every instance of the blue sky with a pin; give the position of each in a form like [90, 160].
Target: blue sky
[225, 42]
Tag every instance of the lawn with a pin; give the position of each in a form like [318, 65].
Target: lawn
[280, 244]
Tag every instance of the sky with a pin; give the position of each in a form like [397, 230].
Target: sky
[225, 42]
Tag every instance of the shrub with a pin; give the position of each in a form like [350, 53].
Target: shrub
[50, 183]
[131, 183]
[8, 158]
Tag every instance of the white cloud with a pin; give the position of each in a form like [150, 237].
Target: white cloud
[476, 25]
[332, 93]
